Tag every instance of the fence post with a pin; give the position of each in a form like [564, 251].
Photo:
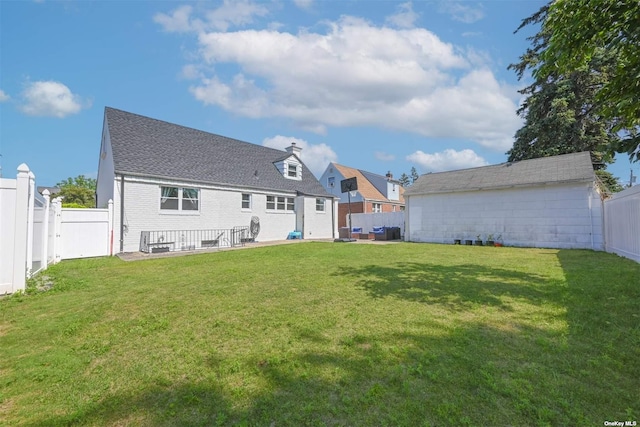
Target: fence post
[57, 226]
[30, 221]
[21, 229]
[110, 237]
[45, 229]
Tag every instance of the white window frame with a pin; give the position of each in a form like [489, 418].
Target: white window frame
[321, 202]
[280, 203]
[242, 201]
[181, 200]
[376, 207]
[288, 167]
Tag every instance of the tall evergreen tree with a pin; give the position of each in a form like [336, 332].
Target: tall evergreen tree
[404, 180]
[559, 109]
[414, 174]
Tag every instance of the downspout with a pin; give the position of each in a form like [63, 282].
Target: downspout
[122, 213]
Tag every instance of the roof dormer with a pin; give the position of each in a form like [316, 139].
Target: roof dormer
[291, 167]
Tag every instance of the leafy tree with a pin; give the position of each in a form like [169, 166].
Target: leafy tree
[609, 182]
[414, 174]
[78, 191]
[404, 180]
[559, 108]
[573, 35]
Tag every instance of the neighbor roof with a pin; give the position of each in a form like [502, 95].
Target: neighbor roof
[575, 167]
[144, 146]
[365, 188]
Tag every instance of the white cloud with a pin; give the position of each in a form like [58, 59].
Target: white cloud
[50, 98]
[3, 96]
[405, 17]
[315, 156]
[357, 74]
[179, 21]
[446, 160]
[303, 4]
[462, 12]
[385, 157]
[231, 13]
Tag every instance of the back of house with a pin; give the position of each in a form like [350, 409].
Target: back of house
[171, 181]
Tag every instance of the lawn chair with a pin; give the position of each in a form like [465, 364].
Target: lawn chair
[212, 243]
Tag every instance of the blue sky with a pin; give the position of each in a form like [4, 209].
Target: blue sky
[376, 85]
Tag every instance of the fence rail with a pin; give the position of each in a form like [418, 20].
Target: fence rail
[190, 240]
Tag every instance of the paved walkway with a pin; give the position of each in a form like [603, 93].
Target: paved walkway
[137, 256]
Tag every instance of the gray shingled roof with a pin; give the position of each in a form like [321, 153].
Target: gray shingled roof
[144, 146]
[575, 167]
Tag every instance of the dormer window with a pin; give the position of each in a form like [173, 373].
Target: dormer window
[290, 168]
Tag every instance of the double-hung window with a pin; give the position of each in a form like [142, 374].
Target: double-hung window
[292, 170]
[320, 204]
[179, 199]
[246, 201]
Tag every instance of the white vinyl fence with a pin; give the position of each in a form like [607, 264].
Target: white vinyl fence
[622, 223]
[369, 220]
[36, 231]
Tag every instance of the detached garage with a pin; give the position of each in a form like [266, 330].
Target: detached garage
[551, 202]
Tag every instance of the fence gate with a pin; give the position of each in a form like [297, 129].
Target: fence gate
[85, 233]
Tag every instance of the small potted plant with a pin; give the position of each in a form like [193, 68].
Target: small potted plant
[490, 241]
[478, 240]
[498, 241]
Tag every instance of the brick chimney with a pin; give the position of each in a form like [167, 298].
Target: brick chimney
[294, 149]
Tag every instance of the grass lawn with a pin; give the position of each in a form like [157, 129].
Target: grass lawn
[327, 334]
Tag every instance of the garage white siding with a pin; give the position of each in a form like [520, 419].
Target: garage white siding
[554, 216]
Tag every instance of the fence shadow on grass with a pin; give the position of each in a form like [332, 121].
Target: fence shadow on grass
[456, 287]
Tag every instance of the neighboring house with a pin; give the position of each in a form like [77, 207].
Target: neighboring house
[162, 176]
[549, 202]
[376, 193]
[52, 190]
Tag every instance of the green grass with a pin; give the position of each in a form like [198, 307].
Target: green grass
[327, 334]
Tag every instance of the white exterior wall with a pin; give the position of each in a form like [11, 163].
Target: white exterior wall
[554, 216]
[106, 171]
[316, 225]
[622, 223]
[220, 208]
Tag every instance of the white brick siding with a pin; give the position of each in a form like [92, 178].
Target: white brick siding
[220, 208]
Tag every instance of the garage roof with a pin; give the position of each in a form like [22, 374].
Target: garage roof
[574, 167]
